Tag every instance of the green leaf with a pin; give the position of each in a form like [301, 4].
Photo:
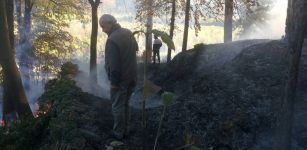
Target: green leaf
[167, 98]
[138, 32]
[116, 143]
[165, 38]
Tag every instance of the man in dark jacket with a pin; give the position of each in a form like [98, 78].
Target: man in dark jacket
[120, 65]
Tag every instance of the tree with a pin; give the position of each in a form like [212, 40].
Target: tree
[296, 24]
[53, 44]
[25, 47]
[149, 24]
[8, 105]
[250, 15]
[186, 25]
[25, 39]
[228, 21]
[10, 20]
[18, 16]
[147, 10]
[93, 55]
[239, 14]
[13, 88]
[49, 43]
[172, 28]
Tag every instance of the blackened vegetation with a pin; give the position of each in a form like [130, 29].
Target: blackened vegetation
[233, 101]
[68, 119]
[227, 97]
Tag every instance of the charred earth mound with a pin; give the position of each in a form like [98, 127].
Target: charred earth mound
[230, 93]
[227, 95]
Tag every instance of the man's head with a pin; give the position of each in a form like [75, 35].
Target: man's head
[107, 22]
[155, 37]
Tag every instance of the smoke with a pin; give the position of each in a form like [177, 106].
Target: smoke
[36, 90]
[273, 27]
[33, 82]
[82, 59]
[100, 89]
[103, 80]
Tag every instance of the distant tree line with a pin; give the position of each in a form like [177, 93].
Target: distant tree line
[41, 38]
[241, 14]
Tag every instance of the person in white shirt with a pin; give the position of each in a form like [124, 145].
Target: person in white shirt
[156, 49]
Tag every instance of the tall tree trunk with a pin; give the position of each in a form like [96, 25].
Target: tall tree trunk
[149, 25]
[27, 17]
[25, 52]
[228, 21]
[10, 20]
[186, 26]
[19, 18]
[295, 26]
[172, 27]
[8, 105]
[14, 88]
[93, 57]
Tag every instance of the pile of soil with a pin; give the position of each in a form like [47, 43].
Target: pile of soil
[230, 94]
[226, 95]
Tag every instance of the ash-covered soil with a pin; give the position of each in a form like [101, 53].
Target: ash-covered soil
[226, 94]
[230, 94]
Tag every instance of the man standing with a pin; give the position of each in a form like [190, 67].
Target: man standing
[120, 65]
[156, 49]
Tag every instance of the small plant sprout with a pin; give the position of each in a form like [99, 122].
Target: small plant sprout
[167, 98]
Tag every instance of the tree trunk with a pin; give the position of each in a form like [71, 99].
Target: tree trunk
[172, 27]
[27, 18]
[228, 21]
[9, 111]
[19, 19]
[186, 26]
[25, 52]
[93, 57]
[149, 25]
[14, 88]
[295, 27]
[10, 20]
[27, 25]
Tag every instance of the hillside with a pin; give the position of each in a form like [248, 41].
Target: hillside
[230, 93]
[226, 94]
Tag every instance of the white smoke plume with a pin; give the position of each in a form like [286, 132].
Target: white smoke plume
[33, 82]
[274, 27]
[101, 89]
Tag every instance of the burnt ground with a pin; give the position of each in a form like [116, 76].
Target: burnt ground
[230, 94]
[226, 94]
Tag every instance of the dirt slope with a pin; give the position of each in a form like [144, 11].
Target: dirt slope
[226, 94]
[230, 94]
